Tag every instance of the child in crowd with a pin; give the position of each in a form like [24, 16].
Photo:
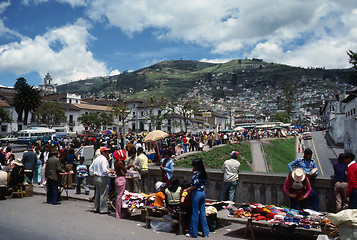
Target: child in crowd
[186, 206]
[159, 196]
[82, 174]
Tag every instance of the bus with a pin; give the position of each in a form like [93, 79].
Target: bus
[61, 132]
[31, 135]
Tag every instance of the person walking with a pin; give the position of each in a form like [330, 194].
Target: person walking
[100, 169]
[230, 177]
[340, 188]
[82, 174]
[198, 196]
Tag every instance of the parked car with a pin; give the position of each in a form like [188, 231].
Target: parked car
[306, 135]
[9, 138]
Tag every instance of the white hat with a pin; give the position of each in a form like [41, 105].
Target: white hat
[18, 162]
[159, 185]
[298, 174]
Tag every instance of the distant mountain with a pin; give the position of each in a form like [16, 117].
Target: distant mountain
[176, 78]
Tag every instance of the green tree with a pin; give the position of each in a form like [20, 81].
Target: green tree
[26, 99]
[121, 112]
[4, 116]
[281, 117]
[92, 120]
[106, 118]
[50, 113]
[185, 108]
[156, 120]
[353, 58]
[353, 61]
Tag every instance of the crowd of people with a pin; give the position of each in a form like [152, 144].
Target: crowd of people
[54, 164]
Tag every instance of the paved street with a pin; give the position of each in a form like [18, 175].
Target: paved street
[324, 154]
[31, 218]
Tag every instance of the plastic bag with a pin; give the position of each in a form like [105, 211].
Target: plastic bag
[162, 226]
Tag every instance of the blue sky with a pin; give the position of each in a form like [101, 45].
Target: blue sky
[77, 39]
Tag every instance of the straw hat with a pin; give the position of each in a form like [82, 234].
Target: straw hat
[298, 174]
[18, 162]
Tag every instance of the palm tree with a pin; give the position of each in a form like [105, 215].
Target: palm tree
[26, 99]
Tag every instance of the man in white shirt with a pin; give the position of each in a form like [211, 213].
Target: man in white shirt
[100, 169]
[230, 177]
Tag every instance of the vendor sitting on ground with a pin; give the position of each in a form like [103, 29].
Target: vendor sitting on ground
[159, 196]
[297, 187]
[17, 173]
[173, 195]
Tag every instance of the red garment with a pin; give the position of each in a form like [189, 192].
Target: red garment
[351, 178]
[289, 183]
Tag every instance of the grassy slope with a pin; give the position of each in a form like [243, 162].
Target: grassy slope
[216, 157]
[279, 153]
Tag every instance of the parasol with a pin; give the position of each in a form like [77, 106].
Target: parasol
[155, 135]
[239, 129]
[108, 132]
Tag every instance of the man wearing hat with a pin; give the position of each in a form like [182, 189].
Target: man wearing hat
[297, 187]
[52, 171]
[230, 177]
[100, 169]
[308, 164]
[29, 159]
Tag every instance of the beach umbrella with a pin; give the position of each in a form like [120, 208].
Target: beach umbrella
[227, 131]
[108, 132]
[155, 135]
[239, 129]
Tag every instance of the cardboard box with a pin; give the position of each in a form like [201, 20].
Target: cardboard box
[28, 190]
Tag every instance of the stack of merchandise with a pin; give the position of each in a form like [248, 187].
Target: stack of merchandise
[306, 218]
[137, 200]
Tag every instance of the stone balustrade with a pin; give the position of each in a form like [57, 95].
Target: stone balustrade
[254, 187]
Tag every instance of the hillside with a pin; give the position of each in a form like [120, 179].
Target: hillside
[174, 79]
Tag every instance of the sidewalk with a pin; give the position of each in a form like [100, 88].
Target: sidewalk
[259, 164]
[37, 190]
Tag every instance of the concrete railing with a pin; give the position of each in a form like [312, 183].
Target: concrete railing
[253, 187]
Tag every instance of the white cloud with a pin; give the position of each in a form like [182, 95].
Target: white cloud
[4, 5]
[114, 72]
[275, 27]
[216, 60]
[75, 3]
[61, 51]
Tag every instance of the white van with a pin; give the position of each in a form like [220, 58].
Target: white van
[87, 152]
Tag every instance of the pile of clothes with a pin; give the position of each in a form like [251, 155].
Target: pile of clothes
[306, 218]
[131, 200]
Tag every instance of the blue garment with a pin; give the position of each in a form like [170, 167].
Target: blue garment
[303, 163]
[198, 214]
[52, 191]
[198, 182]
[70, 158]
[352, 203]
[229, 187]
[169, 168]
[340, 171]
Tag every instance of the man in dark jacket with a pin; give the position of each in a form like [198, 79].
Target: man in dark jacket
[29, 160]
[52, 171]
